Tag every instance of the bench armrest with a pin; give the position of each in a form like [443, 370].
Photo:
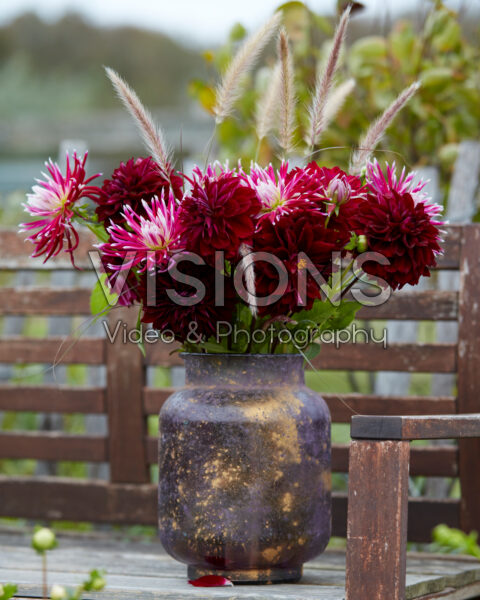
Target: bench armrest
[378, 497]
[415, 428]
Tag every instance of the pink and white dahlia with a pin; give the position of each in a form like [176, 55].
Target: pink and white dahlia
[144, 240]
[383, 184]
[53, 201]
[281, 191]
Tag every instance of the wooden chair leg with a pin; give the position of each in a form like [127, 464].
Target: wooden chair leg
[377, 520]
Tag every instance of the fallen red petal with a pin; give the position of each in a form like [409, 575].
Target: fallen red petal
[210, 581]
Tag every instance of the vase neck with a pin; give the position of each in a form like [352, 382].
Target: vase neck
[245, 370]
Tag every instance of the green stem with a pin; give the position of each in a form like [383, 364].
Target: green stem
[44, 575]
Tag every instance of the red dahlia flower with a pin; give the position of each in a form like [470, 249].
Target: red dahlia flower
[218, 214]
[54, 199]
[400, 226]
[188, 322]
[301, 231]
[132, 182]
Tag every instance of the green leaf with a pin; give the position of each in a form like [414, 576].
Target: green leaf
[344, 314]
[213, 347]
[237, 33]
[7, 591]
[140, 343]
[102, 298]
[99, 230]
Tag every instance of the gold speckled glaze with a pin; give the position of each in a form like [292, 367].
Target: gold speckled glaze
[244, 488]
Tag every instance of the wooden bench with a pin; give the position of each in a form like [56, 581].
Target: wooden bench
[129, 496]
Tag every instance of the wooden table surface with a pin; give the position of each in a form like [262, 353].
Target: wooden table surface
[142, 571]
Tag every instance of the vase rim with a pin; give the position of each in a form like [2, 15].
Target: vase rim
[237, 354]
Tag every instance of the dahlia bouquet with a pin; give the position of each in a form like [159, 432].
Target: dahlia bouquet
[257, 259]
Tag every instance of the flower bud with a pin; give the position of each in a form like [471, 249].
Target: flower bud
[44, 539]
[98, 583]
[338, 191]
[58, 592]
[362, 243]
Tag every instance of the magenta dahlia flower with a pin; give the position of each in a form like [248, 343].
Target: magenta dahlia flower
[144, 241]
[218, 213]
[132, 182]
[281, 191]
[400, 224]
[53, 201]
[197, 319]
[301, 231]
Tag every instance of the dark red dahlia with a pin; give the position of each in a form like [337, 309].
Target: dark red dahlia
[188, 322]
[301, 231]
[136, 180]
[218, 214]
[404, 231]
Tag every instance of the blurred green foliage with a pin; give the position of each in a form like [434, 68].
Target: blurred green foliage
[445, 110]
[447, 539]
[46, 68]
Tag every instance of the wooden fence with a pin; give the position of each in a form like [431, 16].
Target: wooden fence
[128, 496]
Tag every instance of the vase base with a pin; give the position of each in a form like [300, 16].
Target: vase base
[251, 576]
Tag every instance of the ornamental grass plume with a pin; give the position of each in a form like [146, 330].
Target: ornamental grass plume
[318, 120]
[375, 133]
[152, 134]
[287, 94]
[336, 100]
[229, 89]
[267, 109]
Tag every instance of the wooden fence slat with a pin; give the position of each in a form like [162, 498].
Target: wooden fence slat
[49, 445]
[59, 498]
[18, 350]
[422, 305]
[469, 375]
[45, 301]
[125, 377]
[431, 461]
[428, 358]
[438, 461]
[52, 398]
[101, 502]
[15, 253]
[342, 406]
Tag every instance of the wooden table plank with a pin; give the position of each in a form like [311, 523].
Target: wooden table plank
[145, 572]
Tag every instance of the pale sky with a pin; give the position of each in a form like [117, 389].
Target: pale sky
[197, 21]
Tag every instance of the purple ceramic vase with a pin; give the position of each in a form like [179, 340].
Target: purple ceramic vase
[244, 486]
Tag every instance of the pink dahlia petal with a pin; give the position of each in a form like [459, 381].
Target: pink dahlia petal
[54, 199]
[145, 240]
[210, 581]
[383, 184]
